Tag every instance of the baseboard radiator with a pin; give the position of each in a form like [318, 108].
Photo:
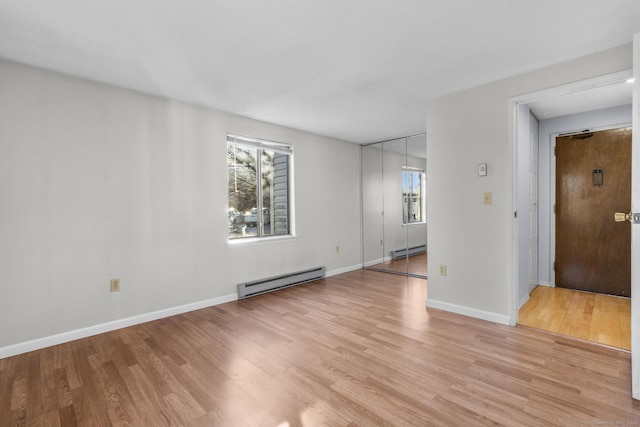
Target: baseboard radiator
[401, 253]
[257, 287]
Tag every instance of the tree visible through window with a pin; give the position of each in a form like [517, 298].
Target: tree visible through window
[412, 195]
[258, 177]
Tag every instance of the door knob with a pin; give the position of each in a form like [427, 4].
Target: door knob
[621, 217]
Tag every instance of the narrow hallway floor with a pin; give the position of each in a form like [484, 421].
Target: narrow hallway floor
[600, 318]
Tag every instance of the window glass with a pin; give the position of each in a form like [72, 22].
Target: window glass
[259, 187]
[412, 195]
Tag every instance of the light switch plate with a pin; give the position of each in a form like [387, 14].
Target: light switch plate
[486, 198]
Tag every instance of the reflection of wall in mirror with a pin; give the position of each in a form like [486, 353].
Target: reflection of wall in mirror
[372, 205]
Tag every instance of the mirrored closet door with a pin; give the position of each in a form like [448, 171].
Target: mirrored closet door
[394, 226]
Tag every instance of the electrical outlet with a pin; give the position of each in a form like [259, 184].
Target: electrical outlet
[486, 198]
[337, 249]
[115, 285]
[443, 270]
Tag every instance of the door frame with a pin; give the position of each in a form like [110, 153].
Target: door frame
[635, 230]
[514, 104]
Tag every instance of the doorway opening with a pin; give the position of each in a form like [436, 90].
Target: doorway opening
[574, 104]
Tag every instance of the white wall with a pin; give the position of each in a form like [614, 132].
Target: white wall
[98, 182]
[549, 129]
[476, 241]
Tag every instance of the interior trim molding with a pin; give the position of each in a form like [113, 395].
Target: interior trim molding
[468, 311]
[578, 86]
[39, 343]
[343, 270]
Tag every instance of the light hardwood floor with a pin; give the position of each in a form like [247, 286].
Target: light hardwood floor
[354, 349]
[604, 319]
[416, 264]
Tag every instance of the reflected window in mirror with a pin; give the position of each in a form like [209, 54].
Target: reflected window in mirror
[413, 197]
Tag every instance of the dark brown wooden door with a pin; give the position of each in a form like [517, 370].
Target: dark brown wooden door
[593, 253]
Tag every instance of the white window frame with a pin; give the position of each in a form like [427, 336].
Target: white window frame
[279, 147]
[423, 198]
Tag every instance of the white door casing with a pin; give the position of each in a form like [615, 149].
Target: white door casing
[635, 228]
[533, 202]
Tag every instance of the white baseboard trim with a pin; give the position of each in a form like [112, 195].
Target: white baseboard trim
[378, 261]
[468, 311]
[545, 284]
[343, 270]
[374, 262]
[39, 343]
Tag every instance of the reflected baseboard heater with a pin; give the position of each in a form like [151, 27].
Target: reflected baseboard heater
[400, 253]
[257, 287]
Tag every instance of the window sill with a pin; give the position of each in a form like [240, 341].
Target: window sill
[253, 241]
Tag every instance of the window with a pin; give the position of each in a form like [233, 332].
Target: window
[413, 181]
[259, 187]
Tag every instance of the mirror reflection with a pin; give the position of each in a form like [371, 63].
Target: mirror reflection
[394, 234]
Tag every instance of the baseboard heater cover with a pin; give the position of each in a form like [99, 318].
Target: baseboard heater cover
[257, 287]
[400, 253]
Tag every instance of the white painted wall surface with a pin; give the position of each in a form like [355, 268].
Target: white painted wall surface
[609, 117]
[98, 182]
[475, 241]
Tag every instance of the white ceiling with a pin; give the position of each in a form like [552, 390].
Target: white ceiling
[359, 70]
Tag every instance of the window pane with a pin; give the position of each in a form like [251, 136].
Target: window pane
[412, 196]
[267, 191]
[280, 199]
[258, 190]
[243, 196]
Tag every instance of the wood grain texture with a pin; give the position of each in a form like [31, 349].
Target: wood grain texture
[593, 252]
[358, 349]
[600, 318]
[414, 264]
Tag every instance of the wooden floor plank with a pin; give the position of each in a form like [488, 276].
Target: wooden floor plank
[354, 349]
[600, 318]
[415, 264]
